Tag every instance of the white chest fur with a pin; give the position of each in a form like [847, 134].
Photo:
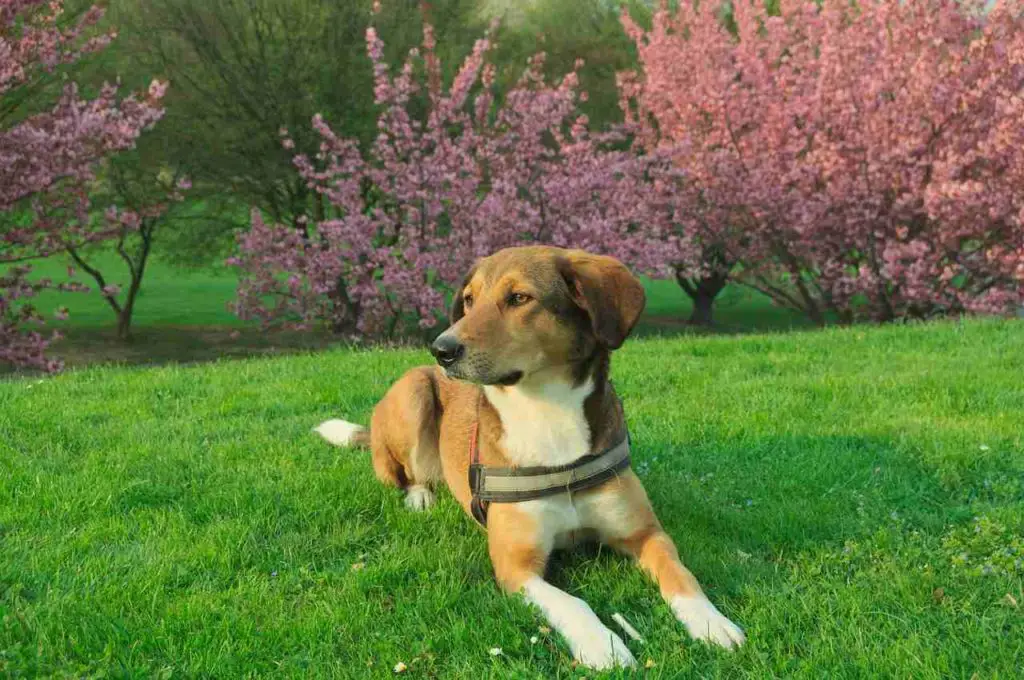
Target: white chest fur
[543, 424]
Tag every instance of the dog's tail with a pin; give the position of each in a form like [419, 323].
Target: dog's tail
[344, 433]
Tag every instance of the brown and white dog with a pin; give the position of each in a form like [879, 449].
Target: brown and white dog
[524, 371]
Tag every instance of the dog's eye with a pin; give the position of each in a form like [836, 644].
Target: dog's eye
[517, 299]
[467, 301]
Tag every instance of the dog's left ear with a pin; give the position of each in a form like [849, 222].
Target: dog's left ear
[607, 291]
[458, 305]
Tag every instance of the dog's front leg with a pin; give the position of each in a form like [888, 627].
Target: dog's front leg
[657, 555]
[626, 521]
[519, 554]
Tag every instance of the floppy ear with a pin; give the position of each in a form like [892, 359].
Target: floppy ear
[607, 291]
[458, 308]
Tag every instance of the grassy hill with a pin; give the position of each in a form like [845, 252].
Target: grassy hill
[853, 498]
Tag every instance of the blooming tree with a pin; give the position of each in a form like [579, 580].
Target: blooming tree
[400, 224]
[141, 202]
[47, 157]
[847, 159]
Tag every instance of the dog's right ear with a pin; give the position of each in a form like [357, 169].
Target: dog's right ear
[458, 307]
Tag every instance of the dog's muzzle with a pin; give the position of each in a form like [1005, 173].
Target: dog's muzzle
[447, 350]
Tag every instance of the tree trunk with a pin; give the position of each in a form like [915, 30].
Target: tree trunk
[348, 325]
[703, 292]
[124, 315]
[703, 305]
[138, 270]
[124, 324]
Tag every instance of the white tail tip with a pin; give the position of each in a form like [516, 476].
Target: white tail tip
[339, 432]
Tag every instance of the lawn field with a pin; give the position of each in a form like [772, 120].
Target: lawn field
[170, 296]
[854, 498]
[182, 315]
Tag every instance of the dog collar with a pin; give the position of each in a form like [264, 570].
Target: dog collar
[512, 485]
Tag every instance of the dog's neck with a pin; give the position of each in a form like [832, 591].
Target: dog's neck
[544, 417]
[543, 425]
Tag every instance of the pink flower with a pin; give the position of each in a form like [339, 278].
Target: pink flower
[459, 183]
[810, 154]
[818, 144]
[48, 159]
[157, 89]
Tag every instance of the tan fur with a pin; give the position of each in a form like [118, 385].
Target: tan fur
[555, 346]
[657, 554]
[403, 431]
[516, 553]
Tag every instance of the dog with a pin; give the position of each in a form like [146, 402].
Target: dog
[521, 393]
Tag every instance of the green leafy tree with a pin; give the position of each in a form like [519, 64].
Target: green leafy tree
[567, 30]
[247, 70]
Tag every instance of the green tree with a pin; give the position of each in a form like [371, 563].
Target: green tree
[567, 30]
[245, 70]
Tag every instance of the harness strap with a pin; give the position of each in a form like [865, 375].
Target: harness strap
[477, 506]
[512, 485]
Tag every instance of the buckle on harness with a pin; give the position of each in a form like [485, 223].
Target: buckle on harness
[475, 477]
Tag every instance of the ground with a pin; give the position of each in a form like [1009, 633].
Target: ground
[183, 315]
[854, 498]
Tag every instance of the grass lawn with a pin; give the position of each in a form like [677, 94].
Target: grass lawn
[170, 296]
[182, 315]
[854, 498]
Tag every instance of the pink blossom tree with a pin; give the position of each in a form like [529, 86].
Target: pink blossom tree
[141, 203]
[399, 225]
[47, 154]
[849, 160]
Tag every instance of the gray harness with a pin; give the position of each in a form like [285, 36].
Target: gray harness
[512, 485]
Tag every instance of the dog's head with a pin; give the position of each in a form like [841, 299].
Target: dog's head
[528, 309]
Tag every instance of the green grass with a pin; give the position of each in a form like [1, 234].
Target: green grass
[737, 310]
[854, 498]
[182, 316]
[170, 296]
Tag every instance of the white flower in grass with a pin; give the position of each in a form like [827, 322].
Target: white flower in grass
[400, 667]
[534, 640]
[495, 651]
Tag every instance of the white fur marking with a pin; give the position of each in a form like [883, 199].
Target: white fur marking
[338, 432]
[543, 424]
[419, 498]
[592, 643]
[704, 622]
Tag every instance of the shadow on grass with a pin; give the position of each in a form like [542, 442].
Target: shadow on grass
[735, 514]
[661, 326]
[154, 345]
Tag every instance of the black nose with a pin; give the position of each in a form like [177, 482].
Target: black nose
[447, 350]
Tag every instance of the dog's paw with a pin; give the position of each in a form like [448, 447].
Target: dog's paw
[603, 649]
[704, 622]
[419, 498]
